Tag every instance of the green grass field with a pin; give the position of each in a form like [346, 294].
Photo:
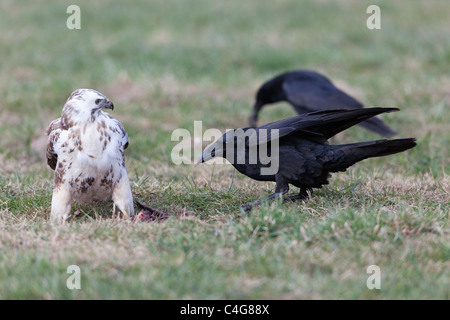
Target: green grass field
[166, 64]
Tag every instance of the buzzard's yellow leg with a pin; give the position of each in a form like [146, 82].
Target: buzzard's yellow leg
[122, 196]
[61, 204]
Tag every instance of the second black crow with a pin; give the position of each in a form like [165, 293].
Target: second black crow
[309, 91]
[296, 150]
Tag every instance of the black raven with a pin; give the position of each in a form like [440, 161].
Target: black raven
[309, 91]
[296, 151]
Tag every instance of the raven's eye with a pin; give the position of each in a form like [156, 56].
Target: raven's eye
[98, 101]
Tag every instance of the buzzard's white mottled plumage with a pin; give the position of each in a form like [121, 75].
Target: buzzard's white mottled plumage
[86, 149]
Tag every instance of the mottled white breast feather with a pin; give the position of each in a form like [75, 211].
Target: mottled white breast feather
[86, 149]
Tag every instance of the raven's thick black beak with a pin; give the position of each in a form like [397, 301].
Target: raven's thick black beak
[107, 104]
[202, 159]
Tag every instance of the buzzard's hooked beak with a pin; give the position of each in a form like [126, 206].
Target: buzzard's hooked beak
[107, 104]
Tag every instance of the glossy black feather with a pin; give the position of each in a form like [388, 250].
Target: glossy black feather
[308, 91]
[305, 158]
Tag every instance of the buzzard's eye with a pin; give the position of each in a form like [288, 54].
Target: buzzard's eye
[98, 101]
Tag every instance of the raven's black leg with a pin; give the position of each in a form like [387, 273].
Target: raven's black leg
[250, 205]
[281, 188]
[303, 194]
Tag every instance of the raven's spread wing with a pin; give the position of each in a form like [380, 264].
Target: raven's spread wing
[322, 123]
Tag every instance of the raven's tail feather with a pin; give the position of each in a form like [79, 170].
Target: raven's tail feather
[348, 154]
